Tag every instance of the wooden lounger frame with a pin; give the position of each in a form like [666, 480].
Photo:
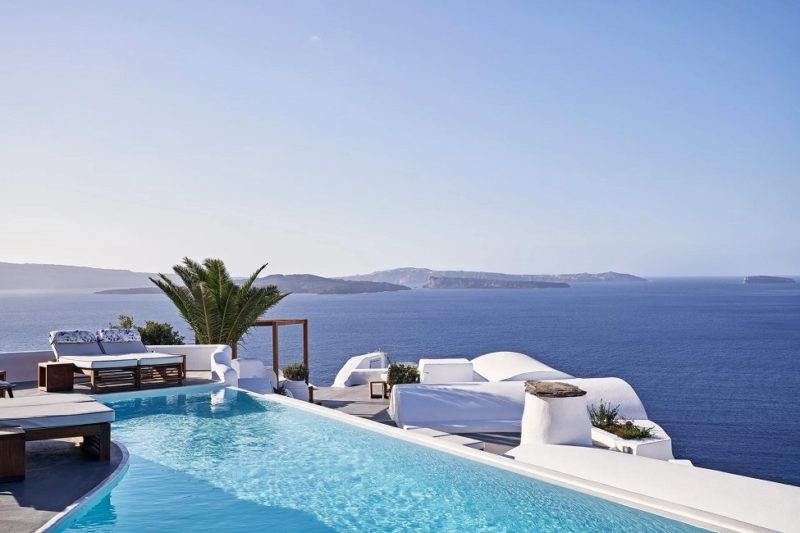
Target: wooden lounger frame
[110, 379]
[96, 437]
[161, 375]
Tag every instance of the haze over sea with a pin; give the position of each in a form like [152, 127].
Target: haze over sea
[716, 362]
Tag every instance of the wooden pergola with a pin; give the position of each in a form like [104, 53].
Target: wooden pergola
[277, 323]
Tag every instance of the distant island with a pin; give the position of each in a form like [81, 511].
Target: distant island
[767, 279]
[295, 283]
[475, 283]
[135, 290]
[308, 283]
[121, 282]
[419, 277]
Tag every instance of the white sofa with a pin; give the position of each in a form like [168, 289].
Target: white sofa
[494, 407]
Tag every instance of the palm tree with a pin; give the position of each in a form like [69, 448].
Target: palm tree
[217, 309]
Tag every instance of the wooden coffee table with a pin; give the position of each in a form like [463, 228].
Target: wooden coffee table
[55, 376]
[3, 390]
[382, 389]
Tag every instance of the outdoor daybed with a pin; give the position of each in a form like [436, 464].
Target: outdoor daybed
[59, 416]
[116, 359]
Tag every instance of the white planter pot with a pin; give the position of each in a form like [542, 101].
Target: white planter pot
[556, 421]
[298, 389]
[658, 446]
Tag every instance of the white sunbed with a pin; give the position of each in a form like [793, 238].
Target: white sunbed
[60, 416]
[117, 360]
[154, 368]
[80, 348]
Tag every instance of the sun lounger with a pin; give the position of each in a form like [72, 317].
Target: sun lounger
[154, 368]
[59, 417]
[80, 347]
[116, 359]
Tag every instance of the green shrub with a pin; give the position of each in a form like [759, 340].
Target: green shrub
[123, 322]
[295, 372]
[606, 417]
[153, 333]
[400, 373]
[630, 431]
[603, 416]
[156, 333]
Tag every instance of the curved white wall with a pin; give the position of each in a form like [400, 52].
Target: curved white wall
[513, 366]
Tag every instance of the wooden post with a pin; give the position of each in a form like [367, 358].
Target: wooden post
[234, 350]
[305, 347]
[275, 358]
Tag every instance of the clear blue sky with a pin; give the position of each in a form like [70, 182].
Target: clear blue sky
[659, 138]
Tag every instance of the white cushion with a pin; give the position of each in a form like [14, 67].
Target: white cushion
[82, 348]
[158, 359]
[111, 335]
[74, 336]
[127, 347]
[45, 399]
[100, 361]
[53, 416]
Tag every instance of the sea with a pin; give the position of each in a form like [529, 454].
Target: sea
[715, 362]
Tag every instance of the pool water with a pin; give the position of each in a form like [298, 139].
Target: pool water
[228, 461]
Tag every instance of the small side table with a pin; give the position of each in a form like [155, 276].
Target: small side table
[2, 378]
[12, 454]
[55, 377]
[379, 386]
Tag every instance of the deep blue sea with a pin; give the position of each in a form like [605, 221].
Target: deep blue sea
[716, 362]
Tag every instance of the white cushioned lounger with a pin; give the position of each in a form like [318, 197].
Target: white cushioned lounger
[58, 416]
[80, 347]
[55, 415]
[154, 368]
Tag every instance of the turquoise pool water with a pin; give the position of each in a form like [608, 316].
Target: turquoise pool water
[227, 461]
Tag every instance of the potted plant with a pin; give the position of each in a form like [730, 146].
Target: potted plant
[400, 373]
[295, 377]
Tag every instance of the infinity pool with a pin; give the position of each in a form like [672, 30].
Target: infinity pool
[228, 461]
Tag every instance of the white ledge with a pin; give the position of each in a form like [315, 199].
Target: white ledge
[722, 500]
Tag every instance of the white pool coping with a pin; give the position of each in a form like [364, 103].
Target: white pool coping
[573, 480]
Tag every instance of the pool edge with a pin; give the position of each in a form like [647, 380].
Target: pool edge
[83, 504]
[680, 513]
